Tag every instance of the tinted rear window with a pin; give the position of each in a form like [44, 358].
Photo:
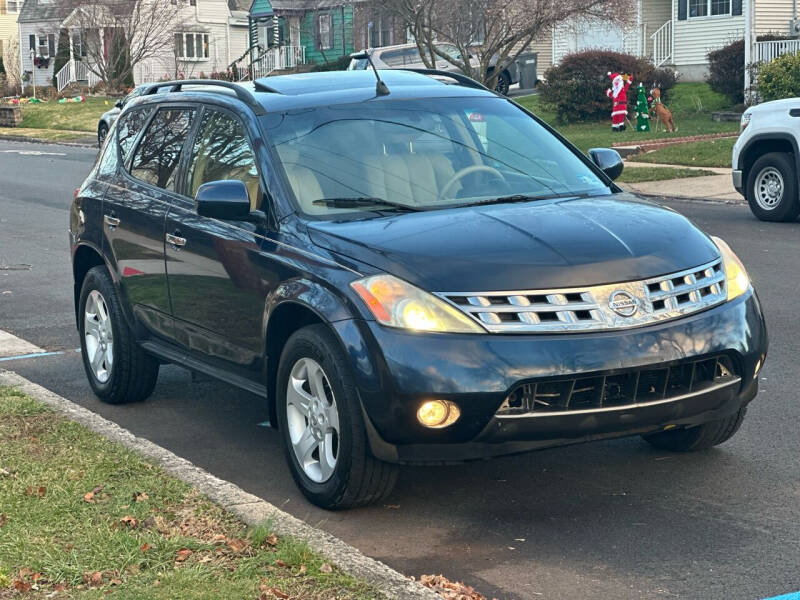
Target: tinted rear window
[130, 124]
[157, 155]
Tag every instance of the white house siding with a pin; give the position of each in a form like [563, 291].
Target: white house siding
[41, 77]
[695, 38]
[574, 37]
[543, 46]
[773, 16]
[654, 14]
[226, 43]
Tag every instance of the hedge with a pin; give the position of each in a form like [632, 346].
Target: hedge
[576, 87]
[780, 78]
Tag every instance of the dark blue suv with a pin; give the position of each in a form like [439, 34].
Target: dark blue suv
[415, 272]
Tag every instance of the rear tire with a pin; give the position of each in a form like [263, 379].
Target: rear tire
[351, 476]
[772, 188]
[125, 373]
[503, 83]
[102, 133]
[701, 437]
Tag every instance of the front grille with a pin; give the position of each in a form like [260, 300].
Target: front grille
[601, 307]
[619, 389]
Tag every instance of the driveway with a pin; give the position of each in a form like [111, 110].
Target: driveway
[614, 519]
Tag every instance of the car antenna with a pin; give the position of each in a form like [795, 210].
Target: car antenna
[380, 87]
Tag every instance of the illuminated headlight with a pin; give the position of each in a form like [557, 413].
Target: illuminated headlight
[437, 414]
[395, 303]
[745, 121]
[736, 276]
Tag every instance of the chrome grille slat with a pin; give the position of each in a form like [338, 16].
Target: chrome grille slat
[588, 309]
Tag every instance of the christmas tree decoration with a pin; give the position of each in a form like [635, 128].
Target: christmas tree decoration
[619, 96]
[642, 110]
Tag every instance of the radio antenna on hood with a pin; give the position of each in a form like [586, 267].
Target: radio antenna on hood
[380, 86]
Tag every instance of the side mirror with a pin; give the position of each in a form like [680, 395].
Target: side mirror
[225, 200]
[608, 161]
[119, 104]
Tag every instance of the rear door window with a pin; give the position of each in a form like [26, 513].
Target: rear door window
[159, 152]
[129, 126]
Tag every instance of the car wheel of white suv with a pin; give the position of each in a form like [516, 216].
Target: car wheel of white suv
[772, 188]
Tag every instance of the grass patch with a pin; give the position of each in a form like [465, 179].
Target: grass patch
[82, 517]
[644, 174]
[687, 118]
[81, 116]
[48, 135]
[709, 153]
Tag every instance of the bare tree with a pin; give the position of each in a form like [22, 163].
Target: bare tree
[495, 32]
[11, 62]
[117, 35]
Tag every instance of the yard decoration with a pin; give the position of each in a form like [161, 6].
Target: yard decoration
[619, 96]
[663, 114]
[76, 99]
[642, 110]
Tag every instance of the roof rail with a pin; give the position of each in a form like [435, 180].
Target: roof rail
[461, 79]
[241, 92]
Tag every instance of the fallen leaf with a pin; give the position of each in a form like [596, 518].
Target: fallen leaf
[36, 491]
[4, 472]
[301, 571]
[272, 540]
[3, 519]
[280, 563]
[156, 583]
[325, 568]
[129, 521]
[22, 586]
[218, 537]
[36, 577]
[24, 572]
[144, 547]
[60, 587]
[94, 495]
[450, 590]
[140, 497]
[93, 579]
[125, 506]
[183, 554]
[237, 545]
[272, 592]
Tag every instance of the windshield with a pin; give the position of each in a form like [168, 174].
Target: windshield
[423, 153]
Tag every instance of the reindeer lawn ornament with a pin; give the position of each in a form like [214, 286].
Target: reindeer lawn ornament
[663, 114]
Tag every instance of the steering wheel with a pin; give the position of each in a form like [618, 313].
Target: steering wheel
[467, 171]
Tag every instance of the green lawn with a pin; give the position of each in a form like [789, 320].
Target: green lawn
[82, 517]
[710, 153]
[643, 174]
[69, 116]
[691, 104]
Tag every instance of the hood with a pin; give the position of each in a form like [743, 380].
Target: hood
[525, 246]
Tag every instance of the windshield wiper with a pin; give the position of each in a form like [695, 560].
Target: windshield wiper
[359, 201]
[524, 198]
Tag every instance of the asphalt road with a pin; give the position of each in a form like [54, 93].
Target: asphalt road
[612, 519]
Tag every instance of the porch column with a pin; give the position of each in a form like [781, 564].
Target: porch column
[103, 43]
[71, 56]
[748, 45]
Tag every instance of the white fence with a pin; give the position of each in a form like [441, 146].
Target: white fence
[662, 44]
[75, 71]
[274, 59]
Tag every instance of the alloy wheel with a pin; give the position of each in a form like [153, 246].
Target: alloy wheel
[768, 188]
[98, 336]
[313, 420]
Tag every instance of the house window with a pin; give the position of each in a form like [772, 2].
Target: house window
[325, 32]
[705, 8]
[191, 46]
[13, 6]
[78, 47]
[47, 46]
[379, 31]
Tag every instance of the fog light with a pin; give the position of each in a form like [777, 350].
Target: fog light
[438, 413]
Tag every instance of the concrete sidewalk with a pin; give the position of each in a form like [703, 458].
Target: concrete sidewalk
[718, 187]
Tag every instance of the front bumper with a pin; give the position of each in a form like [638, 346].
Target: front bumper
[737, 181]
[397, 370]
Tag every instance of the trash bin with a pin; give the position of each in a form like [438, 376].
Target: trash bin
[527, 65]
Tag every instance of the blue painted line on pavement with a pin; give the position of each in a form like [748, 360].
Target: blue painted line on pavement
[792, 596]
[37, 355]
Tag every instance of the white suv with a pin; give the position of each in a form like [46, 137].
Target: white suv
[766, 159]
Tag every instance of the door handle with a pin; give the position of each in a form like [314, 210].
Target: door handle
[111, 221]
[176, 241]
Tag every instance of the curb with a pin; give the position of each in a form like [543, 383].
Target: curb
[249, 508]
[20, 138]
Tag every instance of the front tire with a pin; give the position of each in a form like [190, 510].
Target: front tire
[503, 83]
[320, 419]
[772, 188]
[102, 133]
[702, 437]
[119, 371]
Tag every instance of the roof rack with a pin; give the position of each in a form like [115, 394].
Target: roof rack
[241, 92]
[462, 79]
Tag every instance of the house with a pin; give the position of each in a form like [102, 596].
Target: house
[287, 33]
[9, 11]
[209, 35]
[673, 33]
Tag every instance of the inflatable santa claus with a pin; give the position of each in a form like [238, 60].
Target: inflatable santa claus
[619, 95]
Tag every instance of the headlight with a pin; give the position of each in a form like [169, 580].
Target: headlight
[736, 276]
[395, 303]
[745, 121]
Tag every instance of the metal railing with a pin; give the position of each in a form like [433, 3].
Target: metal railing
[768, 51]
[662, 44]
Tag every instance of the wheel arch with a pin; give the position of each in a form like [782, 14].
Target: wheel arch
[84, 258]
[762, 144]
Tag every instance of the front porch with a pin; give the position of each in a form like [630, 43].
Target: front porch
[85, 44]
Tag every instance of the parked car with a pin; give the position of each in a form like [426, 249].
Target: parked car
[108, 117]
[419, 277]
[406, 56]
[766, 160]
